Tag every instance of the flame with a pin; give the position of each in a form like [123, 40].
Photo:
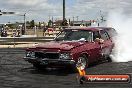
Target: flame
[81, 71]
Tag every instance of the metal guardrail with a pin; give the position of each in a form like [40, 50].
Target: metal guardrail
[12, 50]
[22, 42]
[5, 40]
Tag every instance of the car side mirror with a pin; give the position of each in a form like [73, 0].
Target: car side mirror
[100, 41]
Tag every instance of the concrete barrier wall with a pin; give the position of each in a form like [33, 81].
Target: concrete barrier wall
[25, 39]
[22, 42]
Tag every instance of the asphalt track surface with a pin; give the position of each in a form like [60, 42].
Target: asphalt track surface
[16, 73]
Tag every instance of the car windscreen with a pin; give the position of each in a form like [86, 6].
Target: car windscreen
[71, 35]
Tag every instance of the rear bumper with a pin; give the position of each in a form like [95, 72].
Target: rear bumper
[59, 62]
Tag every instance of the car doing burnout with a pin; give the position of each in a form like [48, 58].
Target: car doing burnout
[73, 46]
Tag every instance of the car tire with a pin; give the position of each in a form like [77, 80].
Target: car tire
[83, 61]
[109, 59]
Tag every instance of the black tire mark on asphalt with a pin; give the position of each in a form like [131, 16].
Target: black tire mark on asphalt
[9, 70]
[28, 69]
[18, 72]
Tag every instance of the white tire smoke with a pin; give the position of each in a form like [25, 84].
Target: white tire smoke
[123, 42]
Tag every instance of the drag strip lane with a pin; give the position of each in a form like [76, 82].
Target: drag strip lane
[15, 72]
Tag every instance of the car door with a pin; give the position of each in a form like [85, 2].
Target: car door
[95, 51]
[106, 46]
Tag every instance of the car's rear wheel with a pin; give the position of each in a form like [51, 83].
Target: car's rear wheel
[109, 59]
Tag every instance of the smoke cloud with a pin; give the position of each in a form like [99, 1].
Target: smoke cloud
[123, 42]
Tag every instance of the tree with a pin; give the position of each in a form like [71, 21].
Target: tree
[32, 23]
[39, 24]
[27, 22]
[50, 23]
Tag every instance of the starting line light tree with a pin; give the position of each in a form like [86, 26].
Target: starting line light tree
[2, 13]
[11, 13]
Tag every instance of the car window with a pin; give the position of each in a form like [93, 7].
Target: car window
[90, 37]
[71, 35]
[96, 35]
[104, 35]
[111, 32]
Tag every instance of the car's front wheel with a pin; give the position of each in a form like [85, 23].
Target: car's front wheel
[82, 62]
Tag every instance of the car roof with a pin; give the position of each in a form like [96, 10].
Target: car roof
[89, 28]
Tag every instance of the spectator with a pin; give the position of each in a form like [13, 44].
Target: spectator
[2, 34]
[5, 34]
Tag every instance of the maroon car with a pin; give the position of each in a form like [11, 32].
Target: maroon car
[73, 46]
